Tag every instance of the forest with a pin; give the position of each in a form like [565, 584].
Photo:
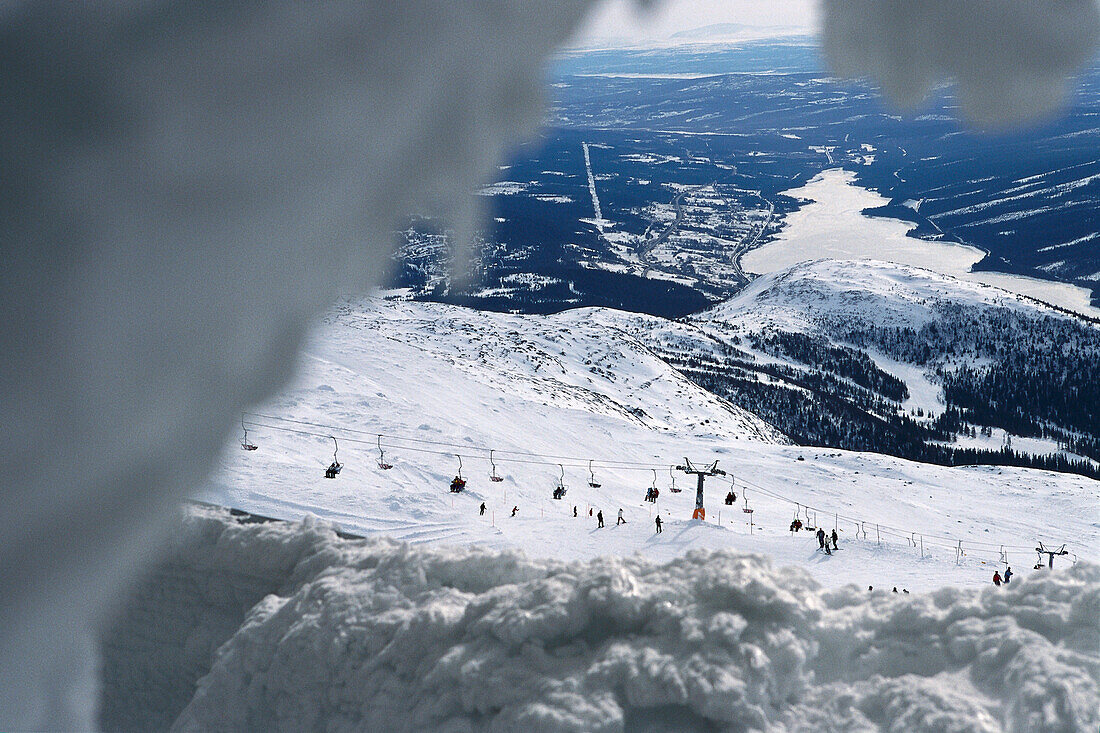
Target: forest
[1028, 373]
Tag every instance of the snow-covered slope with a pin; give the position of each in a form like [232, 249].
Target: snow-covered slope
[863, 292]
[437, 381]
[886, 339]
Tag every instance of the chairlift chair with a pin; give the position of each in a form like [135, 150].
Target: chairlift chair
[672, 487]
[458, 483]
[493, 475]
[245, 444]
[335, 466]
[382, 457]
[559, 490]
[592, 482]
[746, 508]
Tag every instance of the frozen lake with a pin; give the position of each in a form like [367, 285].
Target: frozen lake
[833, 226]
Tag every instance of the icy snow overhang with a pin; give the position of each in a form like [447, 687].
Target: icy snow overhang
[186, 184]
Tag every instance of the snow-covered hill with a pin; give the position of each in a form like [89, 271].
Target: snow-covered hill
[863, 292]
[864, 354]
[549, 394]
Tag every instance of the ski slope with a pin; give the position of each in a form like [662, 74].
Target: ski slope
[542, 392]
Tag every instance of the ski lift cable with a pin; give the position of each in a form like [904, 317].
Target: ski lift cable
[904, 533]
[427, 451]
[425, 441]
[573, 462]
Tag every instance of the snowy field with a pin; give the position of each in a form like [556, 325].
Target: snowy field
[548, 394]
[833, 226]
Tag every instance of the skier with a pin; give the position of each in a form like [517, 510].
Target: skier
[599, 518]
[895, 589]
[996, 578]
[1008, 576]
[574, 511]
[483, 509]
[828, 550]
[514, 510]
[658, 521]
[620, 520]
[821, 538]
[834, 540]
[905, 591]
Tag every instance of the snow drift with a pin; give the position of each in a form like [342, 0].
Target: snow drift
[312, 631]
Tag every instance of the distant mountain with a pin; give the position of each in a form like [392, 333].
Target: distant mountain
[734, 31]
[895, 359]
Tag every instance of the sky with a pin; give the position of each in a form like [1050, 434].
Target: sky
[619, 22]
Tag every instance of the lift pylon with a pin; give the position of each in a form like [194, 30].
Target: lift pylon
[700, 475]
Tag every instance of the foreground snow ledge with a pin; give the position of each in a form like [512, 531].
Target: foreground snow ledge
[287, 626]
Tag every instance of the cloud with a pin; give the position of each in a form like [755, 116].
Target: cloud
[1010, 58]
[314, 632]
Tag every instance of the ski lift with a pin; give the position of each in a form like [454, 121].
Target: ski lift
[382, 457]
[592, 483]
[458, 483]
[493, 475]
[245, 444]
[559, 490]
[653, 492]
[335, 466]
[672, 486]
[746, 508]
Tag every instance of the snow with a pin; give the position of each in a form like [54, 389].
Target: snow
[504, 188]
[317, 632]
[598, 221]
[583, 385]
[834, 226]
[923, 393]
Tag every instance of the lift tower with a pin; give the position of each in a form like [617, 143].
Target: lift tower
[1050, 554]
[700, 474]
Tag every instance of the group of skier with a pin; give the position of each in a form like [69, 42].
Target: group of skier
[826, 542]
[599, 516]
[823, 541]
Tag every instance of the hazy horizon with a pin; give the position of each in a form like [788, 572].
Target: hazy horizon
[620, 23]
